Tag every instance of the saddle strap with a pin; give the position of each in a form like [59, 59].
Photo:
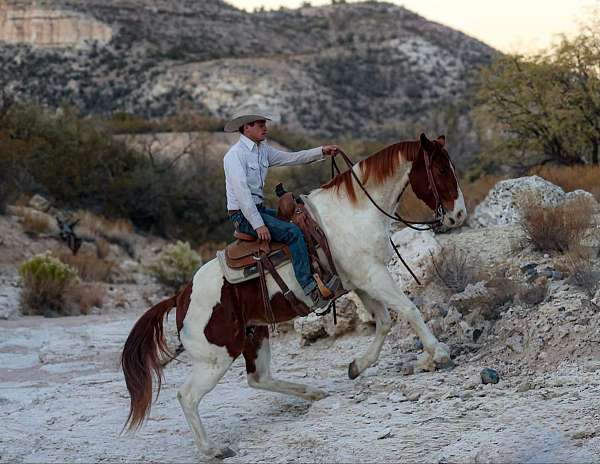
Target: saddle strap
[298, 306]
[269, 316]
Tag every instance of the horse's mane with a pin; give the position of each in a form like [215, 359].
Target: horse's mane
[379, 166]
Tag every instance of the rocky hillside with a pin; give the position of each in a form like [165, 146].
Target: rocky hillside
[365, 69]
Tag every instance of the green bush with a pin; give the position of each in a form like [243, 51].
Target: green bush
[176, 265]
[46, 281]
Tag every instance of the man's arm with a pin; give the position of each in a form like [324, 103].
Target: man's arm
[235, 177]
[284, 158]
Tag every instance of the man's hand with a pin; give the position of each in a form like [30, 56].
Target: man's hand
[263, 233]
[330, 150]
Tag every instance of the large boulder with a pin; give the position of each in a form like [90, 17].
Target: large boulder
[416, 248]
[500, 205]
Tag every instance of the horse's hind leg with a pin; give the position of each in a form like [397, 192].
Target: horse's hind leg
[383, 325]
[203, 378]
[257, 353]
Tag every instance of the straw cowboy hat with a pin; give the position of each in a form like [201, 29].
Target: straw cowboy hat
[245, 117]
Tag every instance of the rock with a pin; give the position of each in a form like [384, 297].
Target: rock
[9, 302]
[500, 204]
[489, 376]
[515, 343]
[524, 387]
[310, 328]
[596, 299]
[40, 203]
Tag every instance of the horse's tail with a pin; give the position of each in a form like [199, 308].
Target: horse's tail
[141, 356]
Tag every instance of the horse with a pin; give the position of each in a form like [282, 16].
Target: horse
[218, 321]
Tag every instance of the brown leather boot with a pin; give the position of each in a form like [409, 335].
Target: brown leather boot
[317, 298]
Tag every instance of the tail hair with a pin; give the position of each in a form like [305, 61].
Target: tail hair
[141, 357]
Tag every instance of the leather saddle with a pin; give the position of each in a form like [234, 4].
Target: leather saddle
[254, 257]
[243, 253]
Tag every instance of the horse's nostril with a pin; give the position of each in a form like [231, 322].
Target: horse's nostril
[452, 221]
[460, 215]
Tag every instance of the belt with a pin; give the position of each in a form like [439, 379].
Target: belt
[231, 212]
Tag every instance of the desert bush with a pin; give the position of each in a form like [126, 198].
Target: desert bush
[176, 265]
[455, 269]
[578, 264]
[45, 282]
[88, 266]
[85, 296]
[554, 228]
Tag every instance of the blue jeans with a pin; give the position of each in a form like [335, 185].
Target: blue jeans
[286, 232]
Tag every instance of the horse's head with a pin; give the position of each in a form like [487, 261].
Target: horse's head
[433, 180]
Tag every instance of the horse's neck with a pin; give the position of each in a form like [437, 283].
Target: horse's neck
[387, 193]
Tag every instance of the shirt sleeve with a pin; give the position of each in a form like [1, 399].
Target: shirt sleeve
[284, 158]
[235, 177]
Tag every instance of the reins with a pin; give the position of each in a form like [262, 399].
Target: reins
[439, 210]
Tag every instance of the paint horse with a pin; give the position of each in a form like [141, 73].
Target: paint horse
[219, 321]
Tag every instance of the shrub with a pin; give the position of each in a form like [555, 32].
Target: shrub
[176, 265]
[578, 264]
[554, 228]
[455, 269]
[85, 296]
[45, 282]
[88, 266]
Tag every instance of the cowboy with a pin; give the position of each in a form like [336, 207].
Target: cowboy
[246, 165]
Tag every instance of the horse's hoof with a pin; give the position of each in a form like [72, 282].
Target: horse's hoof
[225, 453]
[353, 371]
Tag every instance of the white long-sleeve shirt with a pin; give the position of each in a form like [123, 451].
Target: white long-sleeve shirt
[246, 165]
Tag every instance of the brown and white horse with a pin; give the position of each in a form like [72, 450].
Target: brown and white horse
[219, 321]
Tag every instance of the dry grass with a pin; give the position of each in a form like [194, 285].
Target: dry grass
[554, 228]
[102, 248]
[578, 264]
[571, 178]
[97, 225]
[37, 223]
[41, 297]
[85, 296]
[455, 269]
[88, 266]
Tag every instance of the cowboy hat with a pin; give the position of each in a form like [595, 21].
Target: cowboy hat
[245, 117]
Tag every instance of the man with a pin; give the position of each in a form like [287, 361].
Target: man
[246, 165]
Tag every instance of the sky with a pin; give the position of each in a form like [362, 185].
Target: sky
[524, 26]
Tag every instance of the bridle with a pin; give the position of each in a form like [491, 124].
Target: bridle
[440, 210]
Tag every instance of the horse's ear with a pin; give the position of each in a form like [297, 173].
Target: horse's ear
[441, 140]
[425, 142]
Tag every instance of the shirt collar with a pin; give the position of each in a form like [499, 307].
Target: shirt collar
[249, 143]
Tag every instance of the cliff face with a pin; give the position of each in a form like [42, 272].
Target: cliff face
[50, 28]
[367, 70]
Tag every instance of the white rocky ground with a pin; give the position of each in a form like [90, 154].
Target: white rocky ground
[63, 399]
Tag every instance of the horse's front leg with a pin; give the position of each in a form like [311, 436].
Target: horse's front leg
[383, 324]
[384, 289]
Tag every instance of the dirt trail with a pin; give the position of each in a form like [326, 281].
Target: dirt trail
[63, 399]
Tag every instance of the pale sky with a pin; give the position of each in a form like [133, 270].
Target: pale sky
[509, 25]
